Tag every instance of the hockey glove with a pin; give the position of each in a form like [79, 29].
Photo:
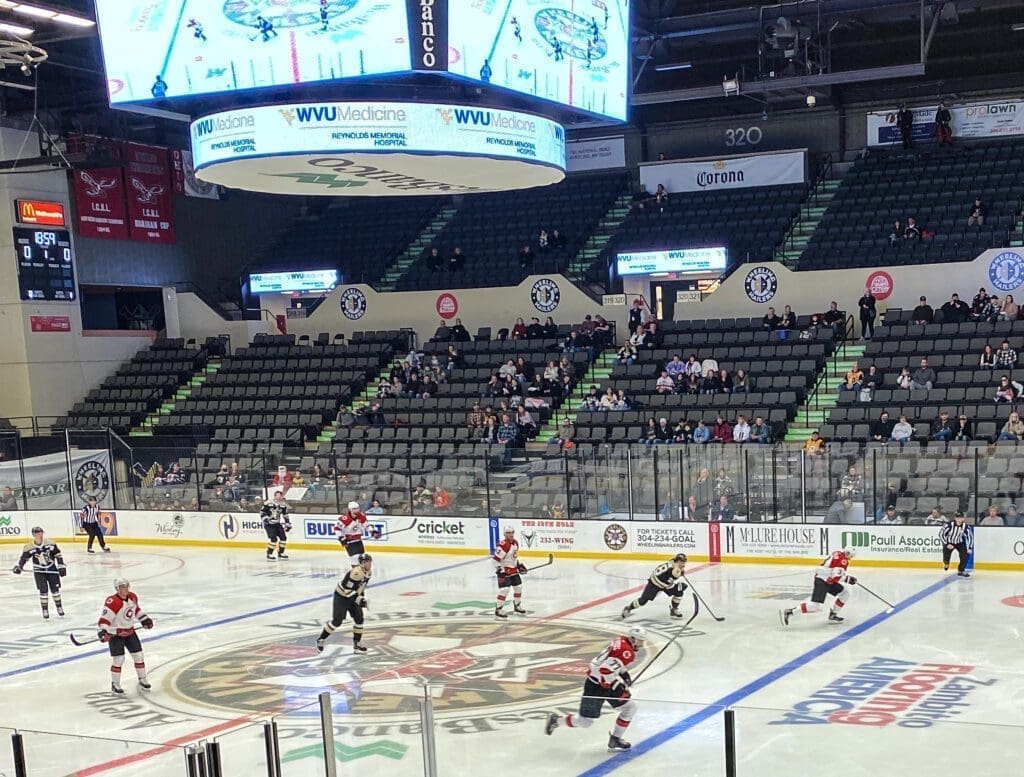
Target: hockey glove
[147, 622]
[343, 541]
[626, 679]
[851, 580]
[361, 601]
[521, 568]
[103, 635]
[63, 571]
[287, 528]
[16, 570]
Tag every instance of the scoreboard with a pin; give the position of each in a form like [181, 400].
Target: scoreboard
[45, 264]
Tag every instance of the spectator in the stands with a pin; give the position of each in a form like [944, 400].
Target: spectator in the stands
[556, 240]
[621, 402]
[493, 387]
[550, 327]
[434, 259]
[534, 331]
[711, 384]
[890, 517]
[881, 429]
[692, 511]
[990, 311]
[459, 333]
[507, 435]
[683, 432]
[853, 380]
[566, 433]
[988, 358]
[834, 317]
[1013, 517]
[788, 320]
[524, 370]
[943, 125]
[552, 376]
[692, 384]
[867, 305]
[978, 212]
[665, 384]
[566, 368]
[814, 445]
[1009, 309]
[902, 431]
[375, 508]
[475, 418]
[956, 311]
[904, 379]
[770, 321]
[345, 419]
[923, 313]
[650, 432]
[627, 353]
[7, 499]
[385, 388]
[741, 382]
[693, 366]
[725, 381]
[741, 430]
[489, 431]
[374, 414]
[701, 434]
[912, 231]
[1013, 429]
[526, 423]
[935, 518]
[457, 260]
[661, 196]
[905, 121]
[723, 510]
[526, 257]
[873, 379]
[838, 511]
[1007, 391]
[979, 301]
[963, 431]
[813, 327]
[518, 330]
[542, 241]
[896, 233]
[676, 367]
[852, 485]
[942, 428]
[923, 377]
[1006, 357]
[991, 517]
[663, 432]
[602, 334]
[635, 318]
[760, 432]
[537, 387]
[641, 338]
[442, 499]
[722, 430]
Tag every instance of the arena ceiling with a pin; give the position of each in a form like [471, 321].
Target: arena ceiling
[838, 50]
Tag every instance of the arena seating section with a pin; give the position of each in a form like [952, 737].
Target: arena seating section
[749, 222]
[935, 186]
[492, 228]
[137, 388]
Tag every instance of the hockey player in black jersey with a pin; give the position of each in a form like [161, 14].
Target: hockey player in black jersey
[48, 566]
[669, 578]
[349, 599]
[277, 525]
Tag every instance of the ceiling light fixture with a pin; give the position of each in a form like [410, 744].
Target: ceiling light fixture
[15, 29]
[34, 10]
[678, 66]
[74, 21]
[1017, 27]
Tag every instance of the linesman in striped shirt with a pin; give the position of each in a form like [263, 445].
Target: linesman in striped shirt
[90, 517]
[956, 535]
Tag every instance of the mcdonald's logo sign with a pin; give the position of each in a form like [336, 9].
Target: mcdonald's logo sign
[39, 212]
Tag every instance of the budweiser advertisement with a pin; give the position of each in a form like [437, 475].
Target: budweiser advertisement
[100, 203]
[147, 177]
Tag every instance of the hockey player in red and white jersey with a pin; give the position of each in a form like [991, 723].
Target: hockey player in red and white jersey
[117, 629]
[829, 578]
[509, 571]
[350, 528]
[608, 681]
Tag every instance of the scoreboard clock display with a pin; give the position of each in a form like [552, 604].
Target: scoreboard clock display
[45, 264]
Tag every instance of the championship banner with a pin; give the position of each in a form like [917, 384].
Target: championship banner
[736, 172]
[148, 185]
[100, 209]
[185, 181]
[595, 154]
[974, 120]
[46, 480]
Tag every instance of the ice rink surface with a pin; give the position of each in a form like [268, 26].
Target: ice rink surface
[936, 685]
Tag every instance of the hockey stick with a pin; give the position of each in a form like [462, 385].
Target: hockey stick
[549, 562]
[891, 607]
[706, 607]
[679, 631]
[82, 641]
[410, 527]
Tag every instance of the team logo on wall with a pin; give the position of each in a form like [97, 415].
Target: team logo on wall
[545, 295]
[353, 303]
[615, 537]
[1007, 271]
[761, 284]
[92, 480]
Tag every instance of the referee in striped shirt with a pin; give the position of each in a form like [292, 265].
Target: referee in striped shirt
[956, 535]
[91, 524]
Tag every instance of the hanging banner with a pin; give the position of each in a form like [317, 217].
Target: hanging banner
[736, 172]
[148, 186]
[46, 479]
[185, 181]
[974, 120]
[595, 154]
[99, 203]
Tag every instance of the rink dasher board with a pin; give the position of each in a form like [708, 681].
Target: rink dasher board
[996, 548]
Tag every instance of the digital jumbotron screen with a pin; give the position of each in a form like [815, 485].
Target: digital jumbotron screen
[163, 49]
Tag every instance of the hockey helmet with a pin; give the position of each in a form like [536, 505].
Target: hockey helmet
[121, 581]
[638, 636]
[353, 505]
[680, 558]
[37, 529]
[849, 552]
[509, 529]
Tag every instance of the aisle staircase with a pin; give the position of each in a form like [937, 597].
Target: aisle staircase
[1017, 233]
[402, 262]
[598, 240]
[803, 226]
[148, 426]
[598, 373]
[825, 395]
